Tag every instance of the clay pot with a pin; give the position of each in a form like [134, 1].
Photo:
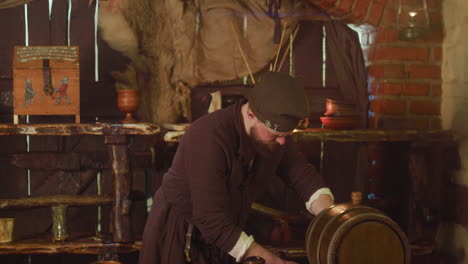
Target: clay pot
[339, 122]
[338, 108]
[128, 101]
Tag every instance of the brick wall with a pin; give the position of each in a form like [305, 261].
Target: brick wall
[404, 76]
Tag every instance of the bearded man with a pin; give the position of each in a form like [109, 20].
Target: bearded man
[223, 162]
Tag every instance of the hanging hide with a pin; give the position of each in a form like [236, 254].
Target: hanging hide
[12, 3]
[191, 42]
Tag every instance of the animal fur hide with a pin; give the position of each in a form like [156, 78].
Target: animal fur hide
[176, 45]
[12, 3]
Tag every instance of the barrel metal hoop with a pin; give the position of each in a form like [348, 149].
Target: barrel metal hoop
[312, 227]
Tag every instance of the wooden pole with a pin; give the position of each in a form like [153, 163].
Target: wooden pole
[279, 46]
[242, 53]
[287, 50]
[119, 161]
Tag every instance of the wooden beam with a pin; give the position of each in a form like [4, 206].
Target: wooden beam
[368, 135]
[74, 160]
[79, 129]
[48, 201]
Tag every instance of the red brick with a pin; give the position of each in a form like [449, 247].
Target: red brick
[387, 88]
[409, 89]
[424, 71]
[411, 2]
[389, 17]
[373, 121]
[437, 54]
[414, 89]
[400, 53]
[369, 52]
[359, 10]
[373, 88]
[435, 36]
[436, 90]
[403, 123]
[375, 13]
[343, 8]
[386, 106]
[386, 36]
[425, 107]
[386, 71]
[435, 18]
[325, 4]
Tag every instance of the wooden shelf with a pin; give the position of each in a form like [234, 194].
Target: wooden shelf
[374, 135]
[88, 245]
[366, 135]
[79, 129]
[48, 201]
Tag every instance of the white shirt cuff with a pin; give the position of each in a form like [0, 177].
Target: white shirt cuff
[316, 195]
[242, 244]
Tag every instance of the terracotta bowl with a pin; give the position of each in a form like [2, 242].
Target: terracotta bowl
[338, 108]
[339, 122]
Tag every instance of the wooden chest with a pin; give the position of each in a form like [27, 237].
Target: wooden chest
[46, 81]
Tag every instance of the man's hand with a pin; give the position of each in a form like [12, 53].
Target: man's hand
[270, 258]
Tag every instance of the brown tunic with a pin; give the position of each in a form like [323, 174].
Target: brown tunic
[214, 178]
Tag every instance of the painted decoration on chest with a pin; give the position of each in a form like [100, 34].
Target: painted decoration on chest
[46, 80]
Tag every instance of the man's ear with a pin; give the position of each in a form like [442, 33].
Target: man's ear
[250, 114]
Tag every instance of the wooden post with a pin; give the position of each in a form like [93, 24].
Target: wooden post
[119, 162]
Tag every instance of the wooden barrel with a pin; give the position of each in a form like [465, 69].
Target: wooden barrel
[355, 234]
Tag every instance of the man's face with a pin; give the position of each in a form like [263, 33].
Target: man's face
[267, 140]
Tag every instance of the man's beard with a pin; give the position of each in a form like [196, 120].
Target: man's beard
[262, 147]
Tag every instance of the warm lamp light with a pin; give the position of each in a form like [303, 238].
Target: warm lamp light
[416, 29]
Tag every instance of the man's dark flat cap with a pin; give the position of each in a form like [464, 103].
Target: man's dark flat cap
[279, 101]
